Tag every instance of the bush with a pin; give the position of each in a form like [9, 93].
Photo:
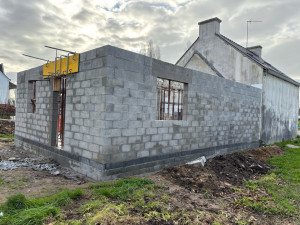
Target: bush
[6, 111]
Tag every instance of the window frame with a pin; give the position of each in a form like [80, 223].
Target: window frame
[174, 100]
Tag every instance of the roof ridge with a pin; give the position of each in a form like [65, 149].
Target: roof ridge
[258, 60]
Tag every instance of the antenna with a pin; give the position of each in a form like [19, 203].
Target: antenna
[250, 21]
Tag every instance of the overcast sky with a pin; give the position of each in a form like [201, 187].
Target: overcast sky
[81, 25]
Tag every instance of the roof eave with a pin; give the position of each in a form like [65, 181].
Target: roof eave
[274, 73]
[187, 51]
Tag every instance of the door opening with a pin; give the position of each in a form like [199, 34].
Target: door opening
[61, 112]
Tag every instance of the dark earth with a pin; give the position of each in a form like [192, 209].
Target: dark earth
[222, 172]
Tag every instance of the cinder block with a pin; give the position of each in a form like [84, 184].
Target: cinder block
[151, 131]
[83, 144]
[126, 148]
[119, 140]
[156, 137]
[144, 153]
[129, 132]
[94, 148]
[120, 124]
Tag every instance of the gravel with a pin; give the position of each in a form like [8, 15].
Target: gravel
[16, 163]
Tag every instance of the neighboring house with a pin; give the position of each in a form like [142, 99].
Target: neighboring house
[4, 86]
[123, 114]
[215, 54]
[12, 93]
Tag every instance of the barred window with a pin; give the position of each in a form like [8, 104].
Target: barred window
[169, 99]
[32, 96]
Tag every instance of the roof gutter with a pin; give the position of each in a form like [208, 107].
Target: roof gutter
[274, 73]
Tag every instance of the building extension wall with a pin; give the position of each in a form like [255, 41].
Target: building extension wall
[112, 128]
[280, 109]
[33, 126]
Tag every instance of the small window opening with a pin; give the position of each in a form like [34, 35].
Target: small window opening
[169, 99]
[32, 94]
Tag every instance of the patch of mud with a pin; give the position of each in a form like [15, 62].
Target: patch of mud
[7, 126]
[218, 175]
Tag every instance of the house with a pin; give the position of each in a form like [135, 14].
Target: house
[12, 93]
[7, 88]
[216, 54]
[109, 113]
[4, 86]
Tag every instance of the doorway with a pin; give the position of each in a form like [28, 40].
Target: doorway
[61, 111]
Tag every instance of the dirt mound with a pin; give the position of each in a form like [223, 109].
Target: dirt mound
[218, 174]
[265, 153]
[7, 126]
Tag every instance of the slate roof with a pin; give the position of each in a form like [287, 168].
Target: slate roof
[2, 70]
[12, 85]
[267, 66]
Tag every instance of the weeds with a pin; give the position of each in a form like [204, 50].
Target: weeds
[2, 182]
[251, 185]
[10, 137]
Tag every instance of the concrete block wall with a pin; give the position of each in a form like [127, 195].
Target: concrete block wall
[33, 126]
[85, 107]
[218, 112]
[111, 129]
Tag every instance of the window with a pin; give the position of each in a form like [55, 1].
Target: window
[32, 96]
[169, 99]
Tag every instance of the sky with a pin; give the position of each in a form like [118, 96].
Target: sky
[81, 25]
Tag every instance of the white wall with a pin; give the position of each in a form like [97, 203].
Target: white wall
[280, 109]
[226, 59]
[4, 89]
[196, 62]
[12, 96]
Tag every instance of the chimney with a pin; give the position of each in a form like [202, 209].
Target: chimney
[256, 50]
[209, 28]
[2, 68]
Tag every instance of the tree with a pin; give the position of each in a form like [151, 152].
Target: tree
[151, 50]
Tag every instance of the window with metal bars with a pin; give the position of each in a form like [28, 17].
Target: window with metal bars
[32, 96]
[169, 99]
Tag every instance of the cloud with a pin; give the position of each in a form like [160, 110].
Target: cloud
[80, 25]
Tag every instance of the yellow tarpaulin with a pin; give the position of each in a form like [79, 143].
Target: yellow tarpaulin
[61, 67]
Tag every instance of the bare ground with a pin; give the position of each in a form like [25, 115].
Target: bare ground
[211, 190]
[32, 182]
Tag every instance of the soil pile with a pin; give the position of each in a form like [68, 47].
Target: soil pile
[218, 175]
[265, 153]
[7, 126]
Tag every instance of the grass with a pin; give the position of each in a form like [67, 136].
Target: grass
[8, 136]
[123, 189]
[282, 184]
[20, 210]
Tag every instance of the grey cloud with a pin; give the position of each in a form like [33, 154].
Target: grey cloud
[83, 16]
[29, 25]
